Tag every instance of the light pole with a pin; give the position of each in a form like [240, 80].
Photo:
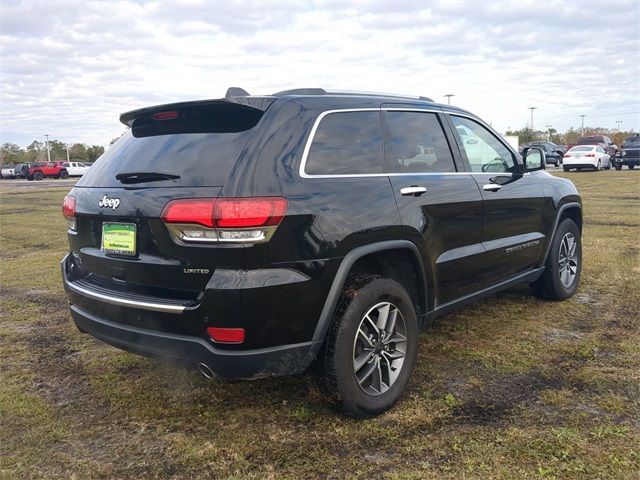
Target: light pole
[532, 109]
[48, 152]
[449, 95]
[582, 127]
[67, 147]
[618, 122]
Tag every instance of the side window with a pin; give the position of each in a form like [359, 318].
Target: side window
[417, 144]
[66, 164]
[346, 143]
[484, 151]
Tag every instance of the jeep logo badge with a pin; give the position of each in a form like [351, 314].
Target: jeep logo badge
[107, 202]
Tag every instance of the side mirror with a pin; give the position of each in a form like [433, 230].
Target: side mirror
[534, 159]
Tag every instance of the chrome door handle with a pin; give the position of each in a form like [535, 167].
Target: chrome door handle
[491, 187]
[413, 191]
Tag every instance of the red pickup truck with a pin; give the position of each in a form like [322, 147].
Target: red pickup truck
[38, 171]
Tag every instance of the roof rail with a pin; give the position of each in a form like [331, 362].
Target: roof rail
[322, 91]
[301, 91]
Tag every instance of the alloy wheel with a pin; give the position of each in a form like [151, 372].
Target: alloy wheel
[568, 261]
[379, 348]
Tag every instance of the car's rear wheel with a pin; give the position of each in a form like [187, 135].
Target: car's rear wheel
[631, 166]
[566, 169]
[599, 165]
[563, 266]
[370, 350]
[38, 176]
[64, 174]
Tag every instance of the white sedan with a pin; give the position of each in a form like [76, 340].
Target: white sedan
[586, 156]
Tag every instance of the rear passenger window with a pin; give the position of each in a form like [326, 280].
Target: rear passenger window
[346, 143]
[417, 144]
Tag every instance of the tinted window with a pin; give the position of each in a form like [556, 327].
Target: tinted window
[346, 143]
[484, 151]
[201, 146]
[581, 149]
[417, 144]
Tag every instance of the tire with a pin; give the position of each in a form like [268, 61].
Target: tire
[361, 392]
[618, 166]
[30, 177]
[631, 166]
[566, 169]
[38, 176]
[557, 164]
[558, 283]
[63, 174]
[599, 166]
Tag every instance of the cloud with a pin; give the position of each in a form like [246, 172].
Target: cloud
[69, 69]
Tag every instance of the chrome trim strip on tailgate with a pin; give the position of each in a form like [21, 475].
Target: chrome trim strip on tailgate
[157, 307]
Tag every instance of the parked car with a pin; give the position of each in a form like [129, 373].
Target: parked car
[630, 155]
[8, 172]
[38, 171]
[586, 156]
[22, 170]
[605, 142]
[552, 154]
[75, 169]
[284, 234]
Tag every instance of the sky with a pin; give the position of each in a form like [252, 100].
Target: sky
[68, 69]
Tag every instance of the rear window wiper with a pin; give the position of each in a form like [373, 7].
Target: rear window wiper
[141, 177]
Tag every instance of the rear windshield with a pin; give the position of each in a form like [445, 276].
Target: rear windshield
[200, 153]
[582, 149]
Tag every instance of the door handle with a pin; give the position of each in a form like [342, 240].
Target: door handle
[413, 191]
[491, 187]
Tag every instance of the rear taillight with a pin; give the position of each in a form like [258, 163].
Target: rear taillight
[69, 211]
[246, 220]
[566, 156]
[590, 155]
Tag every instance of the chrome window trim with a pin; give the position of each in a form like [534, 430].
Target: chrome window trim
[312, 133]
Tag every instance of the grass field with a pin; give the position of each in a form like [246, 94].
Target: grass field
[511, 387]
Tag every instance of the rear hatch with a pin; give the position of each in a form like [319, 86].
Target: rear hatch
[179, 151]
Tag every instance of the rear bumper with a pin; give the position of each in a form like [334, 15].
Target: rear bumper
[191, 351]
[579, 165]
[109, 319]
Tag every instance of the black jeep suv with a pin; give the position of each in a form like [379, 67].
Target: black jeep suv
[630, 155]
[257, 235]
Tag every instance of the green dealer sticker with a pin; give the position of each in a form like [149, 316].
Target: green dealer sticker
[119, 238]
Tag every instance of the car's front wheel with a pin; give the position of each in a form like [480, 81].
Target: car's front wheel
[370, 350]
[563, 265]
[38, 176]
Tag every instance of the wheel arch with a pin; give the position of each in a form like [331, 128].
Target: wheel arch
[362, 258]
[573, 211]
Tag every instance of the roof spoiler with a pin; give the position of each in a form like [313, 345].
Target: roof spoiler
[259, 104]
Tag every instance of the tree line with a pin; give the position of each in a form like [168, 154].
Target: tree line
[570, 137]
[10, 153]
